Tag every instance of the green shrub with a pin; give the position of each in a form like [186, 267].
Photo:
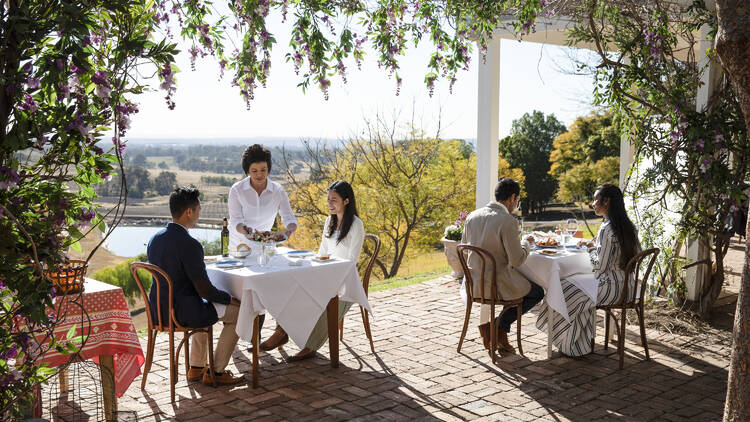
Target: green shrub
[119, 275]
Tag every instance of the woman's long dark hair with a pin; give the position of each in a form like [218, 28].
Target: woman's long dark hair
[620, 223]
[345, 191]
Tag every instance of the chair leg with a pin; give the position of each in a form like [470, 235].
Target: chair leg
[621, 338]
[593, 335]
[518, 330]
[366, 321]
[607, 316]
[210, 345]
[149, 356]
[639, 310]
[187, 354]
[172, 363]
[493, 334]
[341, 328]
[466, 325]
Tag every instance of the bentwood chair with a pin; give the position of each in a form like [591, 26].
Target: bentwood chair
[369, 261]
[170, 327]
[629, 299]
[493, 298]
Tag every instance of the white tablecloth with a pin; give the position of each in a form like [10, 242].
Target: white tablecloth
[547, 270]
[295, 296]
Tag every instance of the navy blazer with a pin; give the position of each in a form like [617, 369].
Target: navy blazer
[181, 256]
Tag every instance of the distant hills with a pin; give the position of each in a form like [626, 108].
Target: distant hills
[290, 142]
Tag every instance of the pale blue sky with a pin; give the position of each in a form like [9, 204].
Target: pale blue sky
[209, 108]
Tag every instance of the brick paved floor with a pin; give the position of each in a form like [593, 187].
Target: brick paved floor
[416, 374]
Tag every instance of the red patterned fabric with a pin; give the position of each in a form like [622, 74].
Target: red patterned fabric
[111, 331]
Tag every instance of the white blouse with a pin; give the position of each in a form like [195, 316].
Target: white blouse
[349, 248]
[256, 211]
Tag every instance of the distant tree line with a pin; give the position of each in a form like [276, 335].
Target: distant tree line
[224, 159]
[139, 183]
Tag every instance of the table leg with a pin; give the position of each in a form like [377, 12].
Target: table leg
[333, 332]
[549, 331]
[256, 343]
[107, 371]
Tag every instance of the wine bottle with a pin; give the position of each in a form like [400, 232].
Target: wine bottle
[224, 238]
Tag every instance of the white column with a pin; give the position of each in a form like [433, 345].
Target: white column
[488, 115]
[699, 249]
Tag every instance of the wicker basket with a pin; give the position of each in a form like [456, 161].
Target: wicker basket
[68, 278]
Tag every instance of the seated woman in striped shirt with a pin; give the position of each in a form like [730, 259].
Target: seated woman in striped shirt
[615, 245]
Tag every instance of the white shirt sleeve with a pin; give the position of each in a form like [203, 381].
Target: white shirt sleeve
[356, 237]
[235, 209]
[323, 249]
[285, 210]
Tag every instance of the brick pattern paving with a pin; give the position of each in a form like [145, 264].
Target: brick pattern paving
[416, 374]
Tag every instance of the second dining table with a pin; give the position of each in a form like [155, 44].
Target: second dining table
[294, 291]
[547, 271]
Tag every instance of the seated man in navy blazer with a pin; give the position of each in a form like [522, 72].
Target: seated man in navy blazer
[181, 256]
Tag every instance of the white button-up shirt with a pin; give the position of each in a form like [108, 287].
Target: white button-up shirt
[256, 211]
[350, 247]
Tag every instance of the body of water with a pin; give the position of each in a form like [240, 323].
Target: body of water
[131, 241]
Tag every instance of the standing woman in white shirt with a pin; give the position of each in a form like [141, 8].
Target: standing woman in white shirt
[255, 200]
[343, 235]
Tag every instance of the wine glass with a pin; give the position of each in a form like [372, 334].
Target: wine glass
[572, 226]
[520, 225]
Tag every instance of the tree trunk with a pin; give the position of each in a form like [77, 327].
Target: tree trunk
[733, 48]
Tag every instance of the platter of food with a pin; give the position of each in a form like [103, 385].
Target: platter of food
[548, 242]
[267, 237]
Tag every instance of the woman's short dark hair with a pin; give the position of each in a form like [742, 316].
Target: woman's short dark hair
[255, 154]
[345, 191]
[183, 198]
[506, 187]
[620, 222]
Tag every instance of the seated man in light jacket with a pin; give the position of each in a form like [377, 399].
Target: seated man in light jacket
[494, 228]
[181, 256]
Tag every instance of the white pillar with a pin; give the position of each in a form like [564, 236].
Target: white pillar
[488, 115]
[699, 249]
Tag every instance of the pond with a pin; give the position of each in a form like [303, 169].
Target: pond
[130, 241]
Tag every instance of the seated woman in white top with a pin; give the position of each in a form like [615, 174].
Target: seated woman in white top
[343, 235]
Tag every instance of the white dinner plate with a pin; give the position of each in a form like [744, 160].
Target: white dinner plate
[299, 254]
[230, 264]
[316, 259]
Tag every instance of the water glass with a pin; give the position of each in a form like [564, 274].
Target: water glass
[572, 226]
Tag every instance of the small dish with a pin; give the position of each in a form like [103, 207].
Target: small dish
[241, 254]
[323, 259]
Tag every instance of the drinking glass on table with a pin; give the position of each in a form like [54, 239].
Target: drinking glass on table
[572, 226]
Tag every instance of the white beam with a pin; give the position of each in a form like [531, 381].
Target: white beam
[488, 116]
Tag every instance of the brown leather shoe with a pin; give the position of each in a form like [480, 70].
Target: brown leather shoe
[484, 331]
[278, 338]
[225, 378]
[195, 374]
[502, 342]
[302, 355]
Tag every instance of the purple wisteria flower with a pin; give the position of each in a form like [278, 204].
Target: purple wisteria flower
[8, 178]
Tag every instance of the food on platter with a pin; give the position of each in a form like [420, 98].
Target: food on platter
[549, 241]
[266, 236]
[548, 251]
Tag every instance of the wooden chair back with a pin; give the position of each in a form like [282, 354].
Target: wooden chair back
[373, 250]
[635, 276]
[465, 252]
[156, 273]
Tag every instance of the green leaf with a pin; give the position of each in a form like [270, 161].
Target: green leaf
[71, 332]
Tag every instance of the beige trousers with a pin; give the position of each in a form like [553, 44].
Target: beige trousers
[225, 346]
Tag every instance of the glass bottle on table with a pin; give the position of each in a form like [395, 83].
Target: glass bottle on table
[224, 238]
